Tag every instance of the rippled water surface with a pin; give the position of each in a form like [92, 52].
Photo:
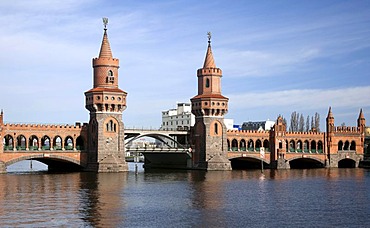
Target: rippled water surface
[283, 198]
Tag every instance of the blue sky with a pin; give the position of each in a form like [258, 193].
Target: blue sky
[277, 57]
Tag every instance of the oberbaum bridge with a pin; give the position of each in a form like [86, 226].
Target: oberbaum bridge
[101, 144]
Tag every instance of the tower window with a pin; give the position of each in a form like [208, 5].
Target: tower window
[111, 127]
[216, 129]
[207, 82]
[110, 77]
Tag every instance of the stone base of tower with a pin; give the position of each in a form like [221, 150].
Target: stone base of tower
[216, 163]
[109, 164]
[280, 163]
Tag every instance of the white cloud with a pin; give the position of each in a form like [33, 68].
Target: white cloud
[306, 99]
[264, 63]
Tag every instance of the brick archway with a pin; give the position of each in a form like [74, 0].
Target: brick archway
[42, 156]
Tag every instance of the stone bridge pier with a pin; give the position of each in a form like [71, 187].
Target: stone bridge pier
[336, 159]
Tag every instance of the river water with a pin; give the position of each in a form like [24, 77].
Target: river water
[244, 198]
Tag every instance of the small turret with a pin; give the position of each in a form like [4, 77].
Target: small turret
[280, 125]
[329, 121]
[361, 122]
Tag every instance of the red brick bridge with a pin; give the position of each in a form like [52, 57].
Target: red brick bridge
[63, 146]
[339, 146]
[55, 145]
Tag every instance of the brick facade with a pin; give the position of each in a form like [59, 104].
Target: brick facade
[337, 144]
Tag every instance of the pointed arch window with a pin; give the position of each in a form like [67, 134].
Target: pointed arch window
[207, 82]
[110, 77]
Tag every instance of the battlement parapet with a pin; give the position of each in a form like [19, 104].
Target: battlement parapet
[299, 133]
[31, 126]
[105, 62]
[346, 129]
[206, 71]
[247, 132]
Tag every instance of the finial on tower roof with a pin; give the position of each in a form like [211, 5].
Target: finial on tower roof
[209, 35]
[105, 22]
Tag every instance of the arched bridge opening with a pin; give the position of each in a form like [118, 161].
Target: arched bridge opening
[246, 163]
[306, 163]
[152, 141]
[347, 163]
[53, 163]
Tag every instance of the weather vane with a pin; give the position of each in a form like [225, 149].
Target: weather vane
[209, 35]
[105, 22]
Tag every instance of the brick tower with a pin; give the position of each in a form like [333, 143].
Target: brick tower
[106, 102]
[209, 108]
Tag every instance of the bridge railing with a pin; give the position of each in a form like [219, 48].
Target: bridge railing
[249, 149]
[43, 148]
[154, 129]
[8, 147]
[143, 149]
[134, 147]
[306, 151]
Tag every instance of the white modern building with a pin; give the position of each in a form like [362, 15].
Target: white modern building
[258, 125]
[182, 119]
[179, 118]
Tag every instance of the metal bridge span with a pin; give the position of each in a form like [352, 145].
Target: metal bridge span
[170, 139]
[173, 151]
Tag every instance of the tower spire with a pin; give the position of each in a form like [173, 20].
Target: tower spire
[209, 61]
[361, 116]
[105, 51]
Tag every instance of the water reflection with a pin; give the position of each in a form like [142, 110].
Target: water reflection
[187, 198]
[208, 197]
[101, 201]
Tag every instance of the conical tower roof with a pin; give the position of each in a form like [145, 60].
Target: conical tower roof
[105, 51]
[361, 116]
[209, 61]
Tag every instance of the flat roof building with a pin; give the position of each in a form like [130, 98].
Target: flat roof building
[258, 125]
